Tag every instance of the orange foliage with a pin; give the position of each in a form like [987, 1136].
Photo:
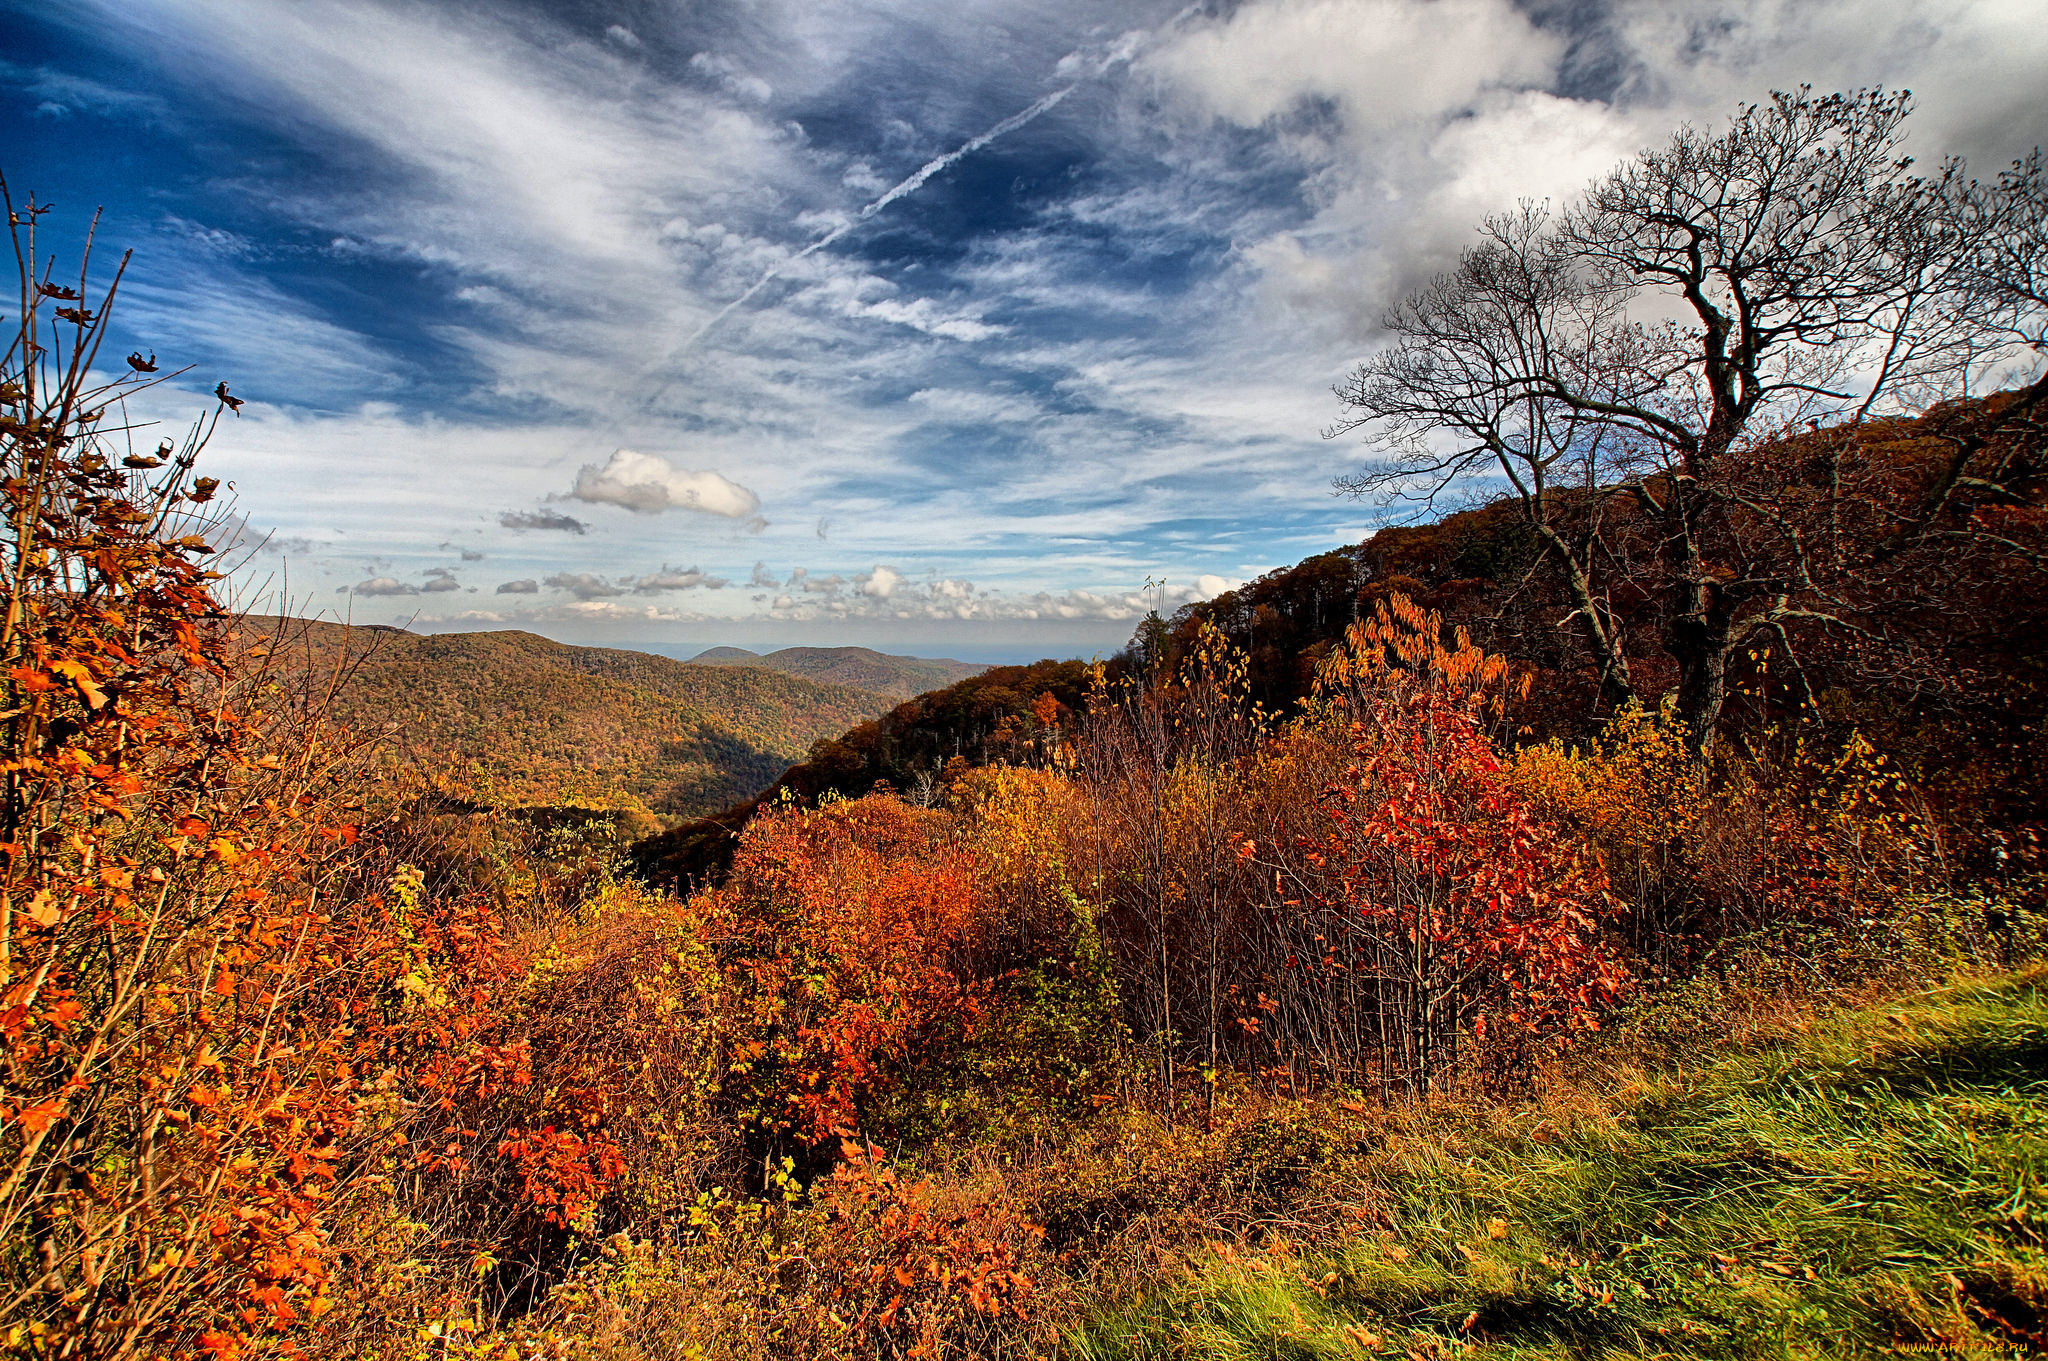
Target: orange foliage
[912, 1269]
[853, 927]
[203, 988]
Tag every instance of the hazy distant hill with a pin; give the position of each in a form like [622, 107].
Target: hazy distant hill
[862, 668]
[513, 718]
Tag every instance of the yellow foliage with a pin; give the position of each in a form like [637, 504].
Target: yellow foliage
[1637, 785]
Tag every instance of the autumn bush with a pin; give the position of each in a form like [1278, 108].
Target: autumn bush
[1788, 841]
[1340, 897]
[849, 935]
[213, 981]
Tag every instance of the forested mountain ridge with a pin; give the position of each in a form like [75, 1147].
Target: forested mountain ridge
[1938, 656]
[1003, 712]
[512, 718]
[861, 668]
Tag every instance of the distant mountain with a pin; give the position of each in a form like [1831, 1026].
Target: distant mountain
[511, 718]
[859, 667]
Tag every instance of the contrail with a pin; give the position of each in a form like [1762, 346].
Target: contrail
[1121, 54]
[908, 186]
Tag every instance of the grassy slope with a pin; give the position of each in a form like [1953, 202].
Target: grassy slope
[1876, 1183]
[859, 667]
[514, 718]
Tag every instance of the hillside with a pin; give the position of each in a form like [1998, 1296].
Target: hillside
[1001, 712]
[1946, 673]
[513, 718]
[1858, 1184]
[860, 668]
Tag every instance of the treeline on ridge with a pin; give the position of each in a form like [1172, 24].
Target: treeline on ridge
[1939, 659]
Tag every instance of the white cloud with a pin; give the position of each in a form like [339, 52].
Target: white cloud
[880, 583]
[1411, 121]
[735, 82]
[646, 484]
[800, 579]
[922, 314]
[1385, 63]
[611, 610]
[943, 598]
[385, 586]
[962, 406]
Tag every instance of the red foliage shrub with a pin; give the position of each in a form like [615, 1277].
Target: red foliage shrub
[913, 1269]
[1435, 882]
[850, 932]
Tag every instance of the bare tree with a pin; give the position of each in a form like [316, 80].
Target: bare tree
[1616, 367]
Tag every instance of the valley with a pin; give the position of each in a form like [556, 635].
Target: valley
[513, 719]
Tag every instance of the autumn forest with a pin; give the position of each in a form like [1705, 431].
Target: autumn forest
[1599, 914]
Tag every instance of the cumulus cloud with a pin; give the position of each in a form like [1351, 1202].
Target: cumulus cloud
[800, 579]
[762, 577]
[954, 598]
[542, 519]
[439, 580]
[524, 586]
[646, 484]
[385, 586]
[1385, 63]
[674, 579]
[879, 584]
[582, 585]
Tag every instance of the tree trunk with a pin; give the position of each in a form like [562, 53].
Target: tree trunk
[1700, 647]
[1616, 687]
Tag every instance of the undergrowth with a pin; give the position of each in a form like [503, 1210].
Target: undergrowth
[1871, 1186]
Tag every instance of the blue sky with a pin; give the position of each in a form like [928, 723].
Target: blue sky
[638, 322]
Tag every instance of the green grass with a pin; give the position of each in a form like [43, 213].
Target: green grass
[1873, 1188]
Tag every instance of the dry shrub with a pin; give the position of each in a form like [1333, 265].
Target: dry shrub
[1785, 841]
